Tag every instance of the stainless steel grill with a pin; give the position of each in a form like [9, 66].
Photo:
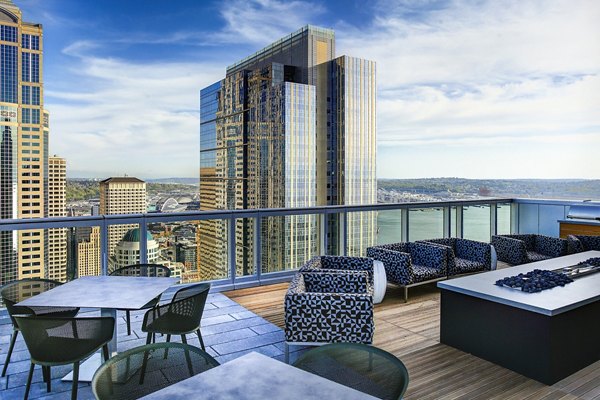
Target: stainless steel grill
[589, 212]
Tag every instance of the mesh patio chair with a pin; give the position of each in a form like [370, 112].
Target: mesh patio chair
[364, 368]
[147, 369]
[149, 270]
[179, 317]
[20, 290]
[60, 341]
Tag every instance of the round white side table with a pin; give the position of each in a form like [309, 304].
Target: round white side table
[379, 281]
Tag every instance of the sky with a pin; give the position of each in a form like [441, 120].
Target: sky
[472, 89]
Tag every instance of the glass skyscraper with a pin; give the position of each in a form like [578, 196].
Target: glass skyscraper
[289, 126]
[23, 145]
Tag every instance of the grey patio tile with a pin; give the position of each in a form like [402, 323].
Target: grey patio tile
[269, 350]
[243, 314]
[265, 328]
[249, 343]
[231, 325]
[217, 320]
[229, 336]
[224, 310]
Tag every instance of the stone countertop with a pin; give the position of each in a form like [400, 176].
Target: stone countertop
[582, 291]
[115, 292]
[256, 377]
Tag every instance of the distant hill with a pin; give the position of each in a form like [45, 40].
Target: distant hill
[183, 181]
[580, 189]
[85, 189]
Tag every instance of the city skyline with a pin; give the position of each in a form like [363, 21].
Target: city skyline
[504, 88]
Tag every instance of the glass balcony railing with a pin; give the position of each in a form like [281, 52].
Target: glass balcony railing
[251, 247]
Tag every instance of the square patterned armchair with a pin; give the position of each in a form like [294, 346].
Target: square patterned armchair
[339, 263]
[328, 306]
[523, 249]
[465, 256]
[411, 264]
[580, 243]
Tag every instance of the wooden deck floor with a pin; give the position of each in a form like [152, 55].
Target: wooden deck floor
[411, 332]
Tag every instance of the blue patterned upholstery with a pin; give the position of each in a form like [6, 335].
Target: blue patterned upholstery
[464, 255]
[410, 263]
[579, 243]
[339, 263]
[522, 249]
[329, 306]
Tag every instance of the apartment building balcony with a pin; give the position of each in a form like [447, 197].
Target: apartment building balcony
[244, 311]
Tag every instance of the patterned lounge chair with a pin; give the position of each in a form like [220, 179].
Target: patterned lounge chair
[579, 243]
[328, 306]
[527, 248]
[411, 264]
[465, 256]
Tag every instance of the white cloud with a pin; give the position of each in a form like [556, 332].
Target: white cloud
[261, 22]
[467, 75]
[139, 119]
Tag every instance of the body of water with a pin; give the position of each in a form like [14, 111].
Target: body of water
[428, 224]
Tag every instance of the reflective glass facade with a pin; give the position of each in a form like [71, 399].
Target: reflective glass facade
[288, 126]
[23, 145]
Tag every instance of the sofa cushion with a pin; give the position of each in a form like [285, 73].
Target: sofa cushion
[423, 273]
[464, 266]
[532, 256]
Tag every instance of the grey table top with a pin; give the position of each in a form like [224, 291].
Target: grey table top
[256, 377]
[582, 291]
[116, 292]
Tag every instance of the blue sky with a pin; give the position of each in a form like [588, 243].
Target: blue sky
[475, 89]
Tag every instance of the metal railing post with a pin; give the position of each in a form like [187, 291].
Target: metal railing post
[323, 231]
[104, 247]
[514, 217]
[231, 248]
[257, 243]
[459, 221]
[143, 241]
[493, 219]
[343, 235]
[404, 224]
[446, 222]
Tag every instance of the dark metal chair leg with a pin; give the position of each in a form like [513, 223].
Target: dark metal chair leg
[13, 339]
[105, 352]
[183, 339]
[149, 338]
[200, 338]
[75, 381]
[144, 364]
[28, 386]
[167, 349]
[47, 378]
[128, 319]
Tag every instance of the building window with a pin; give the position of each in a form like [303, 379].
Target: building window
[8, 33]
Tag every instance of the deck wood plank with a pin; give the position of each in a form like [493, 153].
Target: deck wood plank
[411, 332]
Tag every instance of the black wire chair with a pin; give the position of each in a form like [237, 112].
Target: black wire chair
[20, 290]
[147, 369]
[60, 341]
[364, 368]
[179, 317]
[151, 270]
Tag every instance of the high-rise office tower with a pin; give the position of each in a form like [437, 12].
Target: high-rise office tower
[56, 268]
[127, 251]
[121, 195]
[23, 144]
[289, 126]
[83, 252]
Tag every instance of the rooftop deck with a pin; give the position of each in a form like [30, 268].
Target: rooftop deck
[411, 332]
[245, 320]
